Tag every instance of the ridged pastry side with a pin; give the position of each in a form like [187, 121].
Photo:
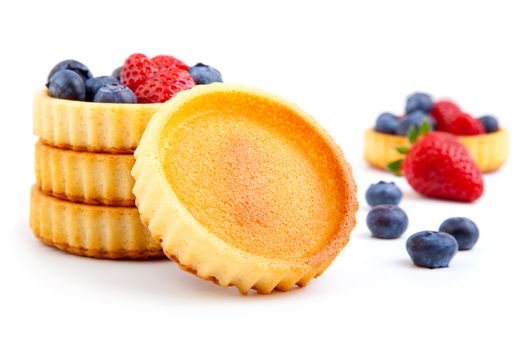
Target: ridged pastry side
[489, 151]
[88, 230]
[193, 247]
[90, 126]
[91, 178]
[197, 251]
[380, 149]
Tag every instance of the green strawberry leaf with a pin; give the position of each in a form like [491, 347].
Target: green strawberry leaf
[402, 149]
[415, 134]
[395, 167]
[412, 135]
[424, 128]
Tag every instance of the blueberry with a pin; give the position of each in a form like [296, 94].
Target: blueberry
[414, 119]
[115, 93]
[73, 65]
[67, 84]
[387, 123]
[94, 84]
[419, 102]
[116, 73]
[490, 123]
[431, 249]
[204, 74]
[387, 221]
[383, 193]
[464, 231]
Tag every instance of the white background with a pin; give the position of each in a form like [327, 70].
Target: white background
[344, 63]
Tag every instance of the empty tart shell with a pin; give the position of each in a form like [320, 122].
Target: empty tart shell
[84, 177]
[243, 188]
[90, 126]
[489, 151]
[90, 230]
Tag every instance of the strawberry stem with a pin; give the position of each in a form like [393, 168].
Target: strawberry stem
[425, 127]
[402, 149]
[395, 167]
[413, 136]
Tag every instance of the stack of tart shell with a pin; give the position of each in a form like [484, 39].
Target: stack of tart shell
[82, 201]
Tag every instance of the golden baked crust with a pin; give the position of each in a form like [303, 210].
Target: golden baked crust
[88, 230]
[90, 126]
[380, 149]
[243, 188]
[84, 177]
[489, 151]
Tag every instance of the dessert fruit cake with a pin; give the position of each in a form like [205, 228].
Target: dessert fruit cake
[109, 113]
[243, 188]
[487, 143]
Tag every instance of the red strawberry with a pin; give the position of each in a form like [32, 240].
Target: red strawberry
[164, 85]
[439, 166]
[136, 70]
[443, 112]
[165, 61]
[465, 124]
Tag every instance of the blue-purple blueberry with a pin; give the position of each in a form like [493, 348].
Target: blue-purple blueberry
[490, 123]
[116, 73]
[204, 74]
[419, 101]
[94, 84]
[415, 119]
[387, 221]
[73, 65]
[464, 230]
[115, 93]
[431, 249]
[387, 123]
[383, 193]
[66, 84]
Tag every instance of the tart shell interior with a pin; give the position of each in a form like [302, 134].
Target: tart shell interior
[255, 174]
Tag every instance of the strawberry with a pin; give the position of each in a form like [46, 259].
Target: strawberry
[166, 61]
[136, 69]
[450, 118]
[439, 166]
[465, 124]
[164, 85]
[443, 112]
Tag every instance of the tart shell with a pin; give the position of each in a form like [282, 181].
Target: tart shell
[489, 151]
[189, 242]
[84, 177]
[88, 230]
[90, 126]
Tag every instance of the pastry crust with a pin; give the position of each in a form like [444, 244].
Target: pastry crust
[489, 151]
[182, 226]
[90, 126]
[84, 177]
[88, 230]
